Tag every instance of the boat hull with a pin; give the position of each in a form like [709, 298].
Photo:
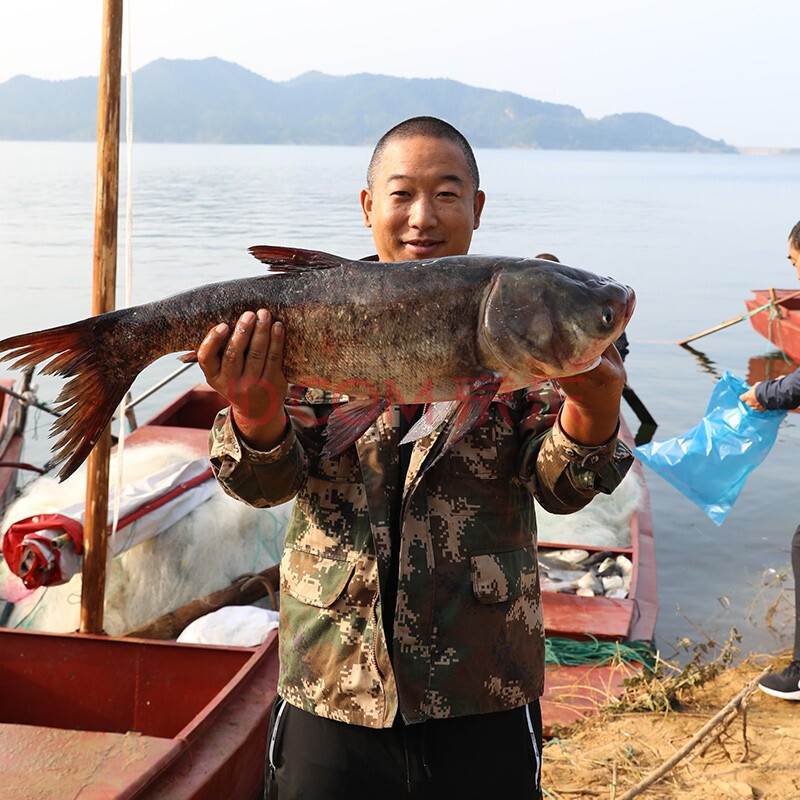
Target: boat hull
[780, 325]
[127, 718]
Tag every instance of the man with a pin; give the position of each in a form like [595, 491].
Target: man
[784, 392]
[412, 643]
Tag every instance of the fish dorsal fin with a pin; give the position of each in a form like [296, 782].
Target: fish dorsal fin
[292, 259]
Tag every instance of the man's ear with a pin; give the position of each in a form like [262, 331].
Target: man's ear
[366, 206]
[480, 199]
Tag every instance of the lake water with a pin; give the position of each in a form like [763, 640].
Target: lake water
[691, 233]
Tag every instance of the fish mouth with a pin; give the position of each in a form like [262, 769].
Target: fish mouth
[584, 366]
[630, 303]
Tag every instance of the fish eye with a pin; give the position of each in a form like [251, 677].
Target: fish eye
[608, 316]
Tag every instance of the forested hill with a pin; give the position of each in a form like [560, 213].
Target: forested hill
[217, 101]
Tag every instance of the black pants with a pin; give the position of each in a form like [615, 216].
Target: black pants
[485, 756]
[796, 573]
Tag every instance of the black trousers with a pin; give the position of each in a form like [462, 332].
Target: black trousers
[796, 573]
[484, 756]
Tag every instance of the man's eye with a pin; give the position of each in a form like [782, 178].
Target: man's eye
[400, 193]
[447, 194]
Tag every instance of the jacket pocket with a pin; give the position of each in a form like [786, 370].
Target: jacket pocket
[497, 577]
[313, 579]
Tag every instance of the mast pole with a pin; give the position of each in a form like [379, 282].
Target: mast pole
[103, 299]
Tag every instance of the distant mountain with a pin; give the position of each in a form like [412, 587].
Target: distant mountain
[217, 101]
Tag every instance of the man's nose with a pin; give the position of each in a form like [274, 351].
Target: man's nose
[422, 214]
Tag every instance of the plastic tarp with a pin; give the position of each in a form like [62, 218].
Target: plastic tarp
[711, 462]
[46, 549]
[232, 626]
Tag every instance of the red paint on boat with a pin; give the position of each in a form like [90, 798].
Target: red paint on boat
[778, 324]
[133, 718]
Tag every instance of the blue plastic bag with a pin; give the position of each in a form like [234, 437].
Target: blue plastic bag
[711, 462]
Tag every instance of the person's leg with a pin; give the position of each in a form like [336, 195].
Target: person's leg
[786, 683]
[485, 755]
[796, 574]
[311, 757]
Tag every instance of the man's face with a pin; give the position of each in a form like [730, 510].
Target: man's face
[794, 257]
[422, 203]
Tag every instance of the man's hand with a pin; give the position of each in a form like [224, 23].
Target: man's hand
[591, 410]
[245, 368]
[749, 398]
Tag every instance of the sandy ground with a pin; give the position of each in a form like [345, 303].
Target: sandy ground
[760, 759]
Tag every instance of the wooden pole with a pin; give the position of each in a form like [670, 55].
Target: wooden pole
[104, 285]
[741, 317]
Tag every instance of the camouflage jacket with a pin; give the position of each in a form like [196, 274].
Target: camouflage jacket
[468, 630]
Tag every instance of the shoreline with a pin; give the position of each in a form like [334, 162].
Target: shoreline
[768, 151]
[752, 750]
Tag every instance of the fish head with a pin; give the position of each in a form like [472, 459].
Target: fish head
[542, 318]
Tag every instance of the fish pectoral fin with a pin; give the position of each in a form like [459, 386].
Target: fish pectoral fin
[471, 412]
[188, 358]
[430, 421]
[347, 423]
[463, 415]
[292, 259]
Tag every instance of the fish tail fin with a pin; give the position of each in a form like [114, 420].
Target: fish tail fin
[94, 389]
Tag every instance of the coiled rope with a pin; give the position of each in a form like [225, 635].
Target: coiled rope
[575, 653]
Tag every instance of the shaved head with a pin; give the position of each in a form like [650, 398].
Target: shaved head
[794, 237]
[431, 127]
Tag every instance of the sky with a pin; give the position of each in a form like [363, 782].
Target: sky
[728, 69]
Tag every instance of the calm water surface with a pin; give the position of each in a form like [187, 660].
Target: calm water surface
[691, 233]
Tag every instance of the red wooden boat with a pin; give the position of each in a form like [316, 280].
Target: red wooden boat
[780, 324]
[572, 692]
[123, 718]
[113, 719]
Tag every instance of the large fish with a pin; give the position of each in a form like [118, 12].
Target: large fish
[450, 331]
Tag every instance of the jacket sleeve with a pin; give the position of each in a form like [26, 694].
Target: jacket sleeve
[783, 392]
[562, 474]
[267, 478]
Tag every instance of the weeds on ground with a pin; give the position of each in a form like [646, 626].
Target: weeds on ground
[666, 687]
[773, 593]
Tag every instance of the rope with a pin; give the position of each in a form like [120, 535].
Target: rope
[29, 399]
[574, 653]
[775, 313]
